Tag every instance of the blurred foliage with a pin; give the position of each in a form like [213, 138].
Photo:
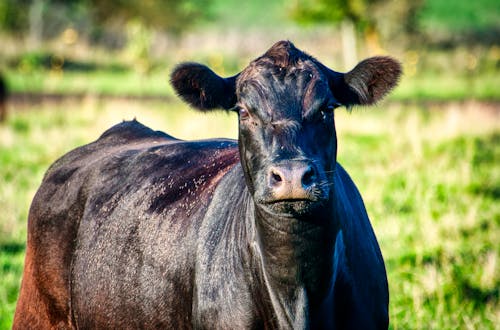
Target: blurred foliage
[332, 11]
[464, 22]
[96, 18]
[367, 15]
[408, 20]
[462, 16]
[45, 17]
[32, 61]
[169, 15]
[236, 14]
[401, 21]
[14, 15]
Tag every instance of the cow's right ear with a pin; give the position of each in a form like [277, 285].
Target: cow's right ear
[367, 83]
[202, 88]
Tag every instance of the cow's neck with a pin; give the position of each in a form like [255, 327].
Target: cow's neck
[295, 258]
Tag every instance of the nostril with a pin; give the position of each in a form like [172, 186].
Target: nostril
[308, 177]
[276, 177]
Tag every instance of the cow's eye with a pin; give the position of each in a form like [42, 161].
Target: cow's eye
[243, 113]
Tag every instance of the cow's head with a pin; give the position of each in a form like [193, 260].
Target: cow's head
[285, 101]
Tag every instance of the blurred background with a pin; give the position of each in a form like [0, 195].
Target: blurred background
[426, 159]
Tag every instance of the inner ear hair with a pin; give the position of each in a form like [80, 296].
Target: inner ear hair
[373, 78]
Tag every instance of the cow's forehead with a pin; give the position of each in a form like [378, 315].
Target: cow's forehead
[287, 90]
[282, 61]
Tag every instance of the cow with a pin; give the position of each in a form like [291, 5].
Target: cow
[140, 230]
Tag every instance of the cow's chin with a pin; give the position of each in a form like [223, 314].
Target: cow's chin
[304, 209]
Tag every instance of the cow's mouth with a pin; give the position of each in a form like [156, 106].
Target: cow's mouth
[291, 207]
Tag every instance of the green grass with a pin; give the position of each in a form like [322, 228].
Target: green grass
[97, 82]
[429, 177]
[436, 87]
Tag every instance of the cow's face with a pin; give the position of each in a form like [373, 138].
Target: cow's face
[286, 133]
[285, 101]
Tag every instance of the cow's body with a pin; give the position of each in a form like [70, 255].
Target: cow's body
[141, 230]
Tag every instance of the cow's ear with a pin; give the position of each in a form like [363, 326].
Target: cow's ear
[202, 88]
[367, 83]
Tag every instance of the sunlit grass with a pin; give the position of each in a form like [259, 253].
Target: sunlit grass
[449, 86]
[429, 178]
[97, 82]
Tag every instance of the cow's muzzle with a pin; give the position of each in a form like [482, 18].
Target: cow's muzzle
[292, 181]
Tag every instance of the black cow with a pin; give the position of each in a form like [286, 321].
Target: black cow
[142, 230]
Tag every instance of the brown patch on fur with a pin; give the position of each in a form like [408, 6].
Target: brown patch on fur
[227, 160]
[32, 310]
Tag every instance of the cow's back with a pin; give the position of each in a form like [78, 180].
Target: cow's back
[108, 219]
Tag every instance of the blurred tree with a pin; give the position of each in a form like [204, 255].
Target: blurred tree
[14, 16]
[48, 18]
[330, 11]
[398, 20]
[169, 15]
[363, 16]
[467, 22]
[36, 22]
[350, 14]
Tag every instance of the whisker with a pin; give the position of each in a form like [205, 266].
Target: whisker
[326, 184]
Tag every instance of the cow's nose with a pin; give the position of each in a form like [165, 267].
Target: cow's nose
[291, 180]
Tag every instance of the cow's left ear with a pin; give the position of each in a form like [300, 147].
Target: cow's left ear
[367, 83]
[202, 88]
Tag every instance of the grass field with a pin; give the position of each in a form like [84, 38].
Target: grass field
[425, 86]
[429, 176]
